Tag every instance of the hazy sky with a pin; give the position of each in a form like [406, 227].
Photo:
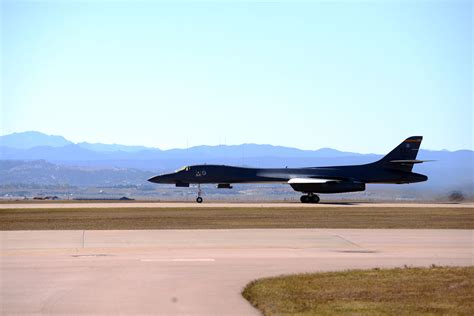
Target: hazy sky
[357, 76]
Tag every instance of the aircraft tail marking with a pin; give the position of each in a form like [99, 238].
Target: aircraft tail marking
[403, 157]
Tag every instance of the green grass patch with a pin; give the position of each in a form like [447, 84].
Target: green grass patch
[228, 217]
[402, 291]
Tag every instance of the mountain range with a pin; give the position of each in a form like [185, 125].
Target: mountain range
[57, 149]
[36, 145]
[451, 169]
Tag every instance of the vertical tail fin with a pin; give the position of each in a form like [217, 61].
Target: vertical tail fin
[404, 155]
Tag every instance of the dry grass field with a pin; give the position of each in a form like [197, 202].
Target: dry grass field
[409, 291]
[236, 217]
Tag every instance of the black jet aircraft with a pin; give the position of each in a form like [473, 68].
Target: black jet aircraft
[396, 167]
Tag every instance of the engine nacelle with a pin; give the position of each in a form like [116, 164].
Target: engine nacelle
[329, 187]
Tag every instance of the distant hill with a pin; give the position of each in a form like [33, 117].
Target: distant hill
[35, 145]
[41, 172]
[32, 139]
[111, 147]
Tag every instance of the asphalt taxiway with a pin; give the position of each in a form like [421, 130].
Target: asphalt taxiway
[194, 272]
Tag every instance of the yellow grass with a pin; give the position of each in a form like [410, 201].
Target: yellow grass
[229, 217]
[405, 291]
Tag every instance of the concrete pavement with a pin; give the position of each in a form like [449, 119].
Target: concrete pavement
[193, 272]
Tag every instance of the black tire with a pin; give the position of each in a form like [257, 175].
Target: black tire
[314, 199]
[199, 199]
[304, 199]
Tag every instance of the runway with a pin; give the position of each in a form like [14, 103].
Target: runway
[188, 205]
[194, 272]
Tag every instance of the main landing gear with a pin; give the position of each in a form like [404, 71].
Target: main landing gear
[199, 198]
[310, 198]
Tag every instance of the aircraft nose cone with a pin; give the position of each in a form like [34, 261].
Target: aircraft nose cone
[163, 178]
[159, 179]
[155, 179]
[423, 177]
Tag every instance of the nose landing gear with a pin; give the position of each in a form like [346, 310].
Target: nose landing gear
[199, 198]
[309, 198]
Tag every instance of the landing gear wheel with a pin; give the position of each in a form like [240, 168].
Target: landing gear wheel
[314, 199]
[199, 198]
[304, 199]
[310, 198]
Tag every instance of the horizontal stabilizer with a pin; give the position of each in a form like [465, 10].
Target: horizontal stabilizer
[408, 161]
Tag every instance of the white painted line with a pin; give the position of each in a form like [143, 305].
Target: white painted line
[196, 259]
[180, 260]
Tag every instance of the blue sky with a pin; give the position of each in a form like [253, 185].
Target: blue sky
[358, 76]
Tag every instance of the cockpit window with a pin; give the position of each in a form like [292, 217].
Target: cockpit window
[185, 168]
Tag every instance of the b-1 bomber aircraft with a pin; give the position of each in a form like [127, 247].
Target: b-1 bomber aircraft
[396, 167]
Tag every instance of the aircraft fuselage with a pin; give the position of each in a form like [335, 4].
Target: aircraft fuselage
[395, 167]
[229, 174]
